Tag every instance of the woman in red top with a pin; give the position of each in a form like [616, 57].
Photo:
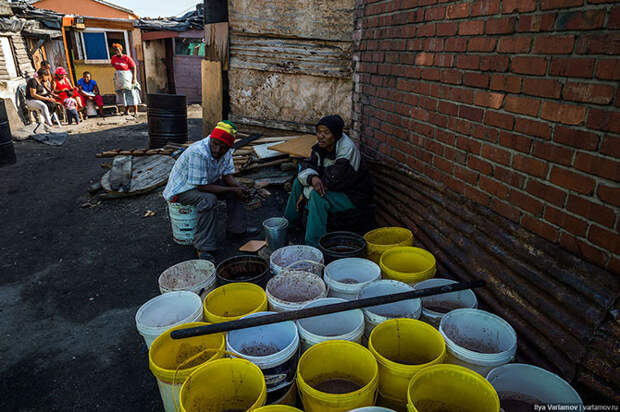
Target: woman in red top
[61, 84]
[125, 85]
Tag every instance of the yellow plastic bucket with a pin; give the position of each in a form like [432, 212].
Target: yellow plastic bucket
[234, 301]
[403, 347]
[172, 360]
[224, 384]
[408, 264]
[384, 238]
[337, 362]
[277, 408]
[451, 387]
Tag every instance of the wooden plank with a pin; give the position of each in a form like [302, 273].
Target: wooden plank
[300, 147]
[263, 152]
[212, 95]
[147, 173]
[253, 246]
[277, 139]
[216, 43]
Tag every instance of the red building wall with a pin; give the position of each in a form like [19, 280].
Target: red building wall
[495, 132]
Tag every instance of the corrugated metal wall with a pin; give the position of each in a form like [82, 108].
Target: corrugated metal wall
[187, 77]
[290, 61]
[564, 309]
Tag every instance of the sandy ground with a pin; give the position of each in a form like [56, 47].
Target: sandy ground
[73, 278]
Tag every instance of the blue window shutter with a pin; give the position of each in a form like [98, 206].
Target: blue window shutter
[95, 45]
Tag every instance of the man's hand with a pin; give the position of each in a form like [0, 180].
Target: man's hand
[318, 186]
[300, 203]
[241, 192]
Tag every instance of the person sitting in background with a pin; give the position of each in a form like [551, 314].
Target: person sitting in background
[334, 179]
[38, 98]
[71, 108]
[90, 91]
[48, 84]
[61, 85]
[202, 174]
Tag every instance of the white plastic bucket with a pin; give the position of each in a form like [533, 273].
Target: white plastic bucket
[183, 219]
[165, 311]
[445, 301]
[347, 325]
[346, 277]
[293, 290]
[376, 314]
[284, 257]
[477, 339]
[528, 383]
[196, 276]
[91, 108]
[279, 368]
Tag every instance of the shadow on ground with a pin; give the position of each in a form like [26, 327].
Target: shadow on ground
[73, 278]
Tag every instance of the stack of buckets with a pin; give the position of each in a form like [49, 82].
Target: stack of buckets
[407, 364]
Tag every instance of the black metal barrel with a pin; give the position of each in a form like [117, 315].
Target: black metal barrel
[7, 151]
[167, 119]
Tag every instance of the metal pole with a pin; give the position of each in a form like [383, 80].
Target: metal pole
[322, 310]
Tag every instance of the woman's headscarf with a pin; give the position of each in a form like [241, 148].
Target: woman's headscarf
[60, 71]
[118, 45]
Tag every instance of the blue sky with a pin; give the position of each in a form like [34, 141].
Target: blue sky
[156, 8]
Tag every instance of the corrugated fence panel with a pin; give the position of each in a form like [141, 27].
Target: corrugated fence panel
[561, 306]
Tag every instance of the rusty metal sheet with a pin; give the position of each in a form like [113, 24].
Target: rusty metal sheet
[565, 310]
[310, 57]
[287, 101]
[311, 19]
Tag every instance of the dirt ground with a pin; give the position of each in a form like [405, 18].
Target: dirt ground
[73, 278]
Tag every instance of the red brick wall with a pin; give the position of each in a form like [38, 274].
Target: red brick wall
[512, 103]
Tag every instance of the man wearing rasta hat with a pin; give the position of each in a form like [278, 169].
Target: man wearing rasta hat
[201, 175]
[334, 179]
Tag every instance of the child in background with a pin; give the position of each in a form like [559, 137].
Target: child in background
[71, 108]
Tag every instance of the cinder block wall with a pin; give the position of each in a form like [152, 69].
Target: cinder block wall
[496, 127]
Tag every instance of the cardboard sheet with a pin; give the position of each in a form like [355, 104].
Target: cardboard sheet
[300, 147]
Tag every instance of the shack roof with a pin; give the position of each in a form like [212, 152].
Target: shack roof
[48, 18]
[192, 20]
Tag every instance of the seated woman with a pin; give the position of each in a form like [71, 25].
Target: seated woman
[61, 84]
[39, 98]
[334, 179]
[90, 91]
